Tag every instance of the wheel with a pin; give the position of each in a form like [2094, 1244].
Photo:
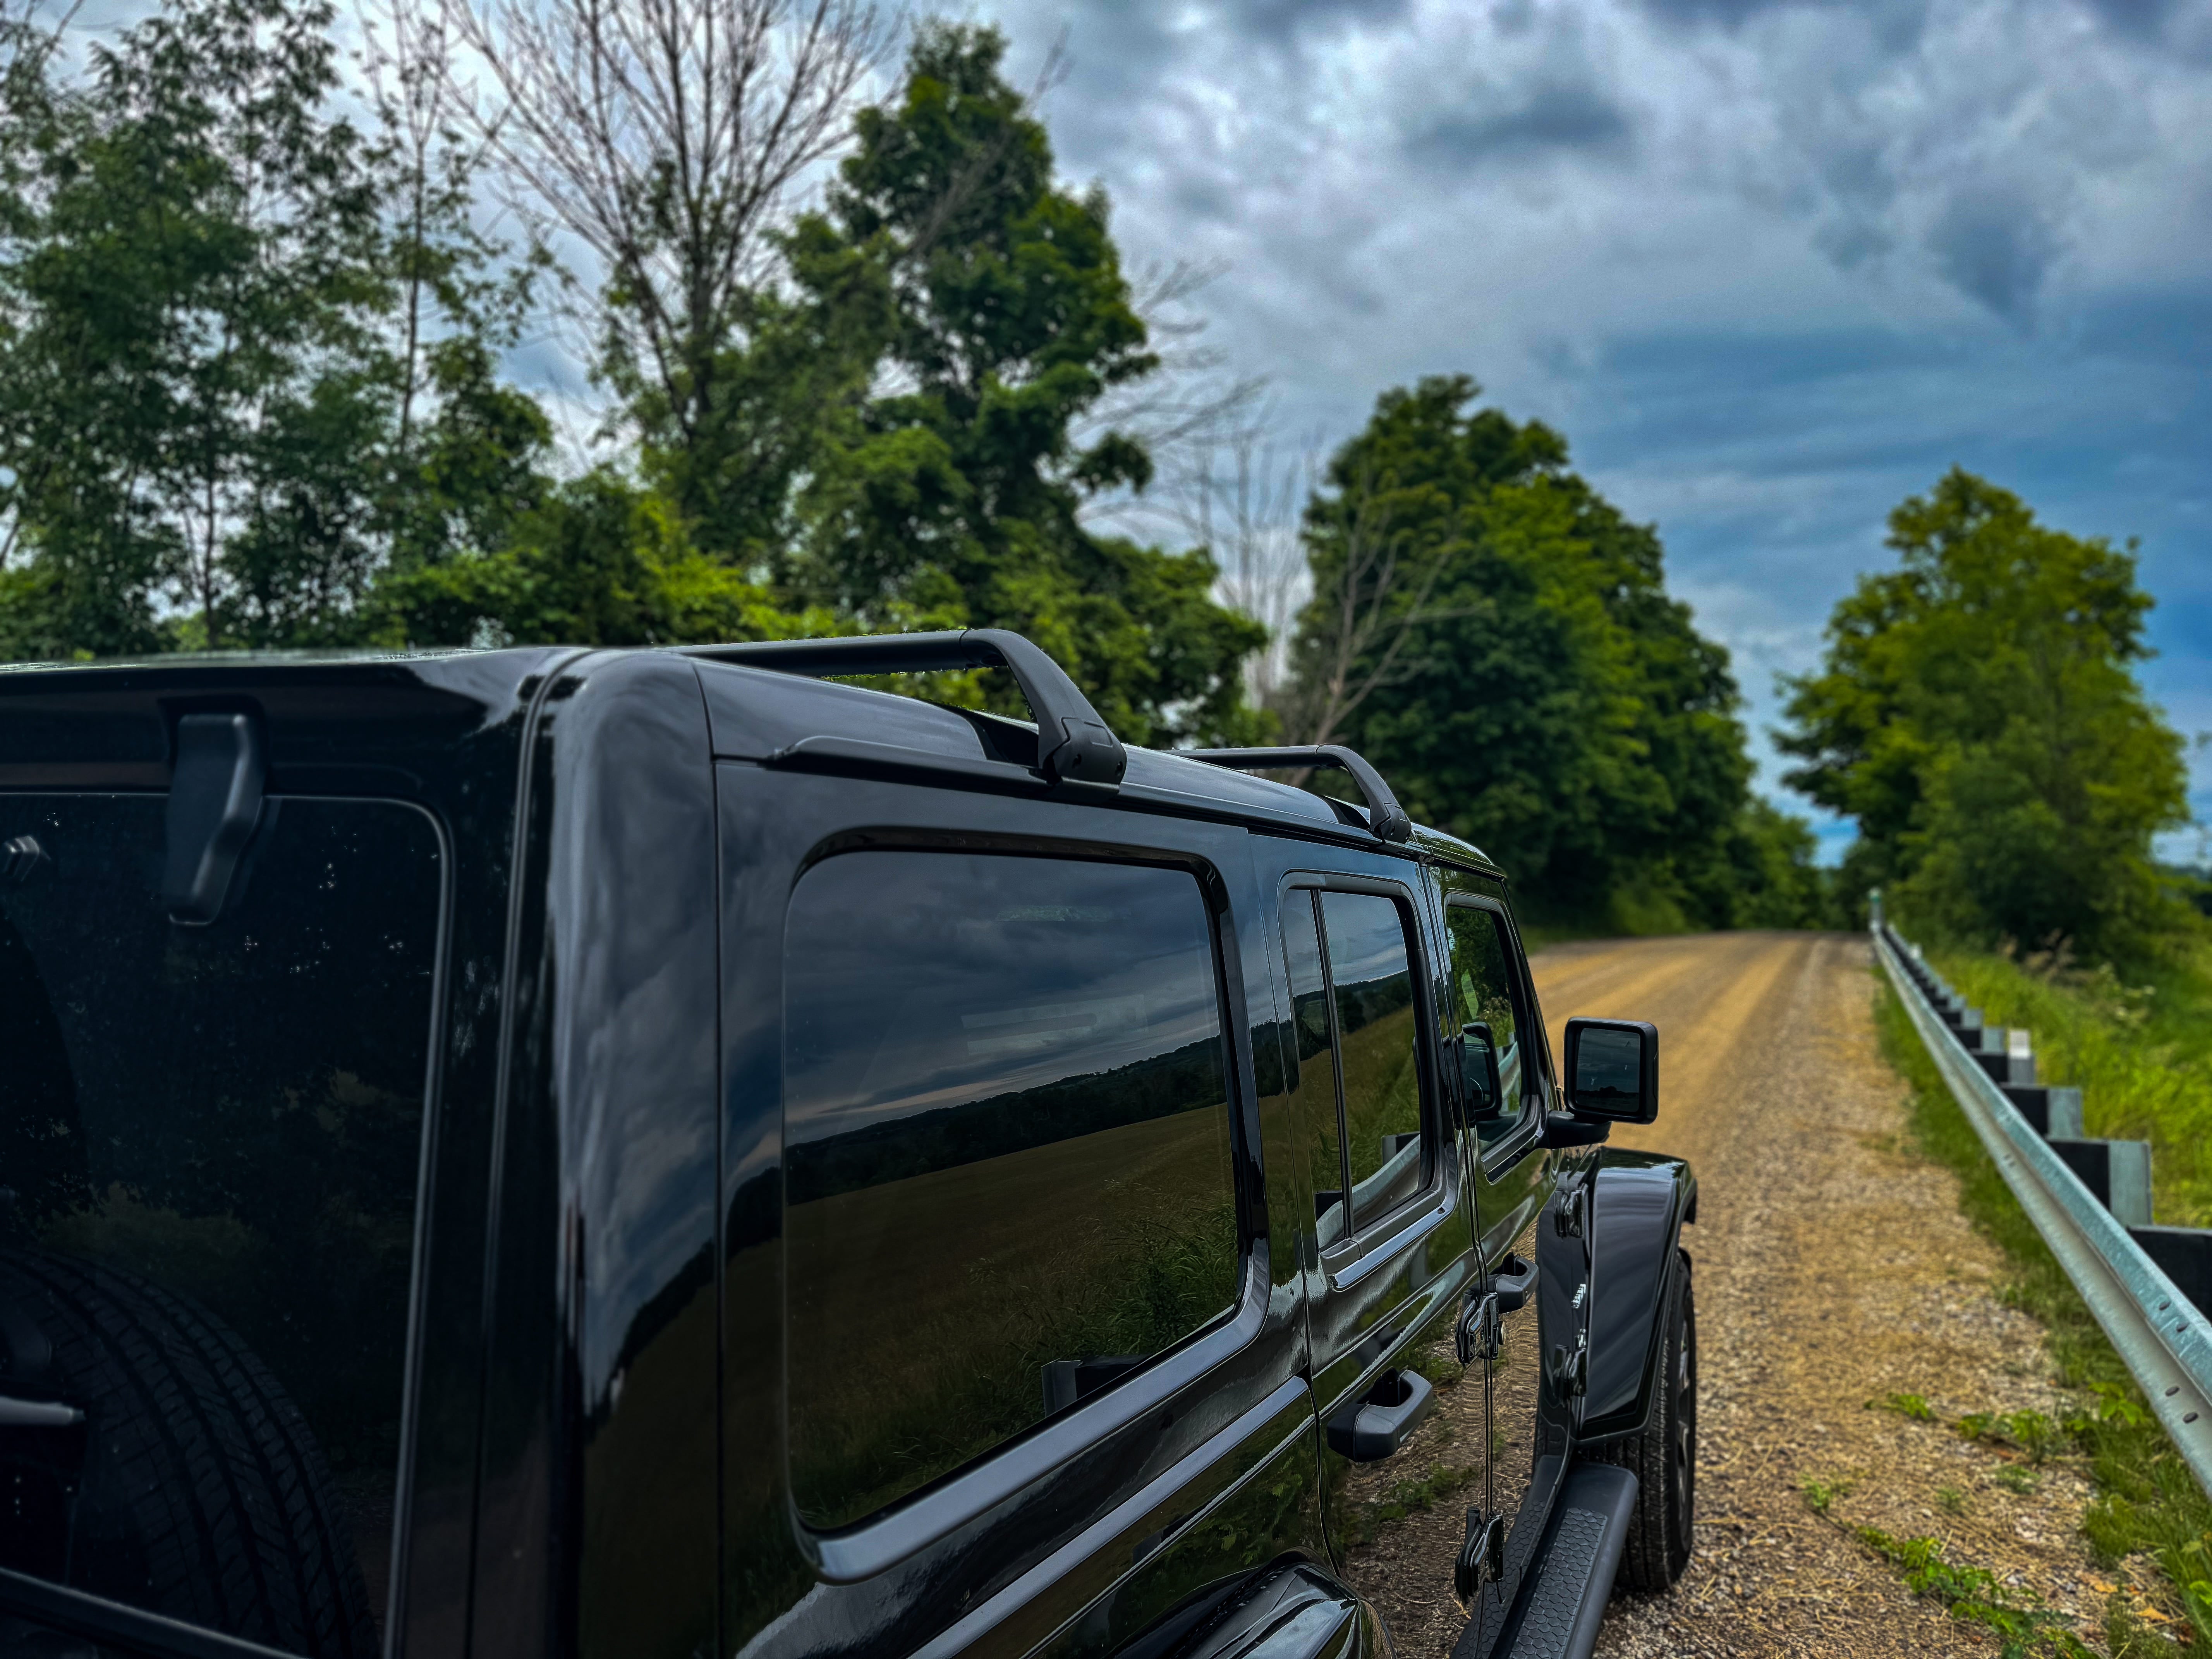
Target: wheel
[199, 1491]
[1664, 1457]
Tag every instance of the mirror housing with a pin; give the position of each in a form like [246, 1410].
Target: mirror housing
[1612, 1070]
[1478, 1062]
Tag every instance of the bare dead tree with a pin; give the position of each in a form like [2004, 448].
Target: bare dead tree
[668, 138]
[1260, 510]
[31, 33]
[1364, 626]
[1187, 413]
[1243, 501]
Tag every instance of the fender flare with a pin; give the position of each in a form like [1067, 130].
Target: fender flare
[1638, 1204]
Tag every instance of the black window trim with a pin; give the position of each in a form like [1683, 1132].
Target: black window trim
[1534, 1068]
[913, 1522]
[1367, 1249]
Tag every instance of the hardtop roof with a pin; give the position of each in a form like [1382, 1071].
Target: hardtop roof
[754, 714]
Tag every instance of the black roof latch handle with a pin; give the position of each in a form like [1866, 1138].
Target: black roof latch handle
[1384, 816]
[1073, 743]
[215, 802]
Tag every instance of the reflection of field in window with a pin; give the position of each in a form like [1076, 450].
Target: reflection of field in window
[1377, 1031]
[1054, 1185]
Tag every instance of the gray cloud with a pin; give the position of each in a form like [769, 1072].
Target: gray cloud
[1771, 264]
[1549, 115]
[2145, 19]
[1728, 13]
[1283, 18]
[1995, 246]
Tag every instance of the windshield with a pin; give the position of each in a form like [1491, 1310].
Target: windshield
[209, 1145]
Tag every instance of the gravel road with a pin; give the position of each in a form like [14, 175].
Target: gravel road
[1834, 1268]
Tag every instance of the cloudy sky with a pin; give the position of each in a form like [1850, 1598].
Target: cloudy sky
[1771, 266]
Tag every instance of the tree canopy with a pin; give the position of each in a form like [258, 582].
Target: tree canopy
[1978, 713]
[254, 392]
[1548, 700]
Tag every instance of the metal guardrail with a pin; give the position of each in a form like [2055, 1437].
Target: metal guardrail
[2161, 1336]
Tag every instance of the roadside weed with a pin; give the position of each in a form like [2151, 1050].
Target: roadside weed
[2030, 1430]
[1820, 1494]
[1904, 1405]
[2013, 1477]
[2022, 1624]
[1951, 1500]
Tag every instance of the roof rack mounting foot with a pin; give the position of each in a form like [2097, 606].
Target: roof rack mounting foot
[1074, 745]
[1385, 816]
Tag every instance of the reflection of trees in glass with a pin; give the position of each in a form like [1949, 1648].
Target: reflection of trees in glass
[1019, 1157]
[925, 1311]
[1377, 1033]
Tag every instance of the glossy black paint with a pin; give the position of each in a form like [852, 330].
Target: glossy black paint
[1028, 1536]
[595, 1455]
[1640, 1201]
[597, 1516]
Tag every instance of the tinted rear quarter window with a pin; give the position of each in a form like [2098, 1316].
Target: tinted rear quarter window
[209, 1145]
[1008, 1184]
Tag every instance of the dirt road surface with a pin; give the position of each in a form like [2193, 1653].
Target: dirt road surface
[1832, 1268]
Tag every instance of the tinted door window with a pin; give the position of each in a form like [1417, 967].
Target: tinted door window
[210, 1139]
[1314, 1035]
[1008, 1180]
[1484, 1014]
[1372, 982]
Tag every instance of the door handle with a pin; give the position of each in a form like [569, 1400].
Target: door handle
[1377, 1424]
[1513, 1284]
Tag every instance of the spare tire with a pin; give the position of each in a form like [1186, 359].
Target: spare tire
[203, 1494]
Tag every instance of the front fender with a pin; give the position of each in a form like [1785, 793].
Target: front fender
[1638, 1205]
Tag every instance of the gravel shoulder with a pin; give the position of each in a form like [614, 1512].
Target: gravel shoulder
[1834, 1268]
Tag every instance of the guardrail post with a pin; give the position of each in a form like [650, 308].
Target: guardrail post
[2116, 1172]
[2184, 1255]
[2006, 1057]
[2053, 1111]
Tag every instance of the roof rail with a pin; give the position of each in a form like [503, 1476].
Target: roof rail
[1385, 816]
[1073, 743]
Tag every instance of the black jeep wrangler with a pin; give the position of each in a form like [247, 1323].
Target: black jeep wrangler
[662, 1153]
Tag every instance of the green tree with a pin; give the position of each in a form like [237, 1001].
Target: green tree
[247, 350]
[1978, 713]
[597, 561]
[983, 309]
[1503, 645]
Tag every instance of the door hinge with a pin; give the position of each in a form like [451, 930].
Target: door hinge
[1482, 1557]
[1568, 1218]
[1481, 1332]
[1570, 1370]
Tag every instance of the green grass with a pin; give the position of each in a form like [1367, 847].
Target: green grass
[2141, 1053]
[2022, 1625]
[2147, 1504]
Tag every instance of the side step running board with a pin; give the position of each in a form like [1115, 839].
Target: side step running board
[1564, 1592]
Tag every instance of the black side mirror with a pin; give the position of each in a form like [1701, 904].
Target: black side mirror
[1613, 1069]
[1478, 1060]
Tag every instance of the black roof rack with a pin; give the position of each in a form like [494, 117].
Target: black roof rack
[1073, 743]
[1385, 816]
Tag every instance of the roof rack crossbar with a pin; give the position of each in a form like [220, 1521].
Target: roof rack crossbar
[1386, 817]
[1073, 743]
